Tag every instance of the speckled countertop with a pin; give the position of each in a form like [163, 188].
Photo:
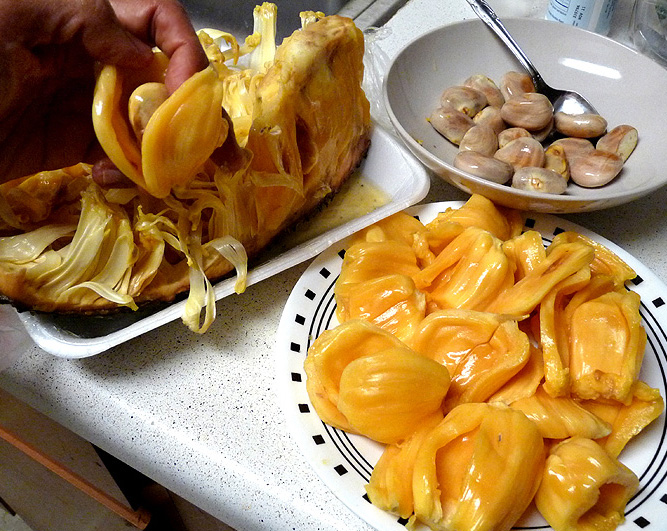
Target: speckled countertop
[199, 414]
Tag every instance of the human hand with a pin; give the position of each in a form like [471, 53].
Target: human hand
[47, 58]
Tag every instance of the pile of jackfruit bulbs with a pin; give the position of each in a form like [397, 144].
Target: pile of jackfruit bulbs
[496, 371]
[237, 154]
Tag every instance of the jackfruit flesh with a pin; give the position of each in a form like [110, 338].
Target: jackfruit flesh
[584, 488]
[561, 417]
[206, 197]
[626, 420]
[478, 469]
[391, 302]
[387, 395]
[328, 357]
[606, 346]
[539, 347]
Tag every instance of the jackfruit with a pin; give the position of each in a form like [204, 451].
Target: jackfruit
[212, 188]
[478, 469]
[584, 488]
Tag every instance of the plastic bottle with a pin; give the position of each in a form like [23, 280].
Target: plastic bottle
[593, 15]
[649, 28]
[519, 8]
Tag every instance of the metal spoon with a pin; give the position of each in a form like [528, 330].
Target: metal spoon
[562, 100]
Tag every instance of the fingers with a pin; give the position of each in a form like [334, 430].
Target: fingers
[106, 174]
[43, 27]
[118, 32]
[165, 24]
[107, 41]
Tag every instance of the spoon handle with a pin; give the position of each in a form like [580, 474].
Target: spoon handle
[489, 17]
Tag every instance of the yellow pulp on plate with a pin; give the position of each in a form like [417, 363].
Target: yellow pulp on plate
[496, 371]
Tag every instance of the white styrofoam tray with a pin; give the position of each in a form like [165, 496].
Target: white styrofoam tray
[388, 166]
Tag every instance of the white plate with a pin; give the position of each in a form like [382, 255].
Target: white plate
[624, 86]
[345, 462]
[388, 166]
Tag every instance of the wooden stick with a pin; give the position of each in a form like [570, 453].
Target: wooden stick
[138, 519]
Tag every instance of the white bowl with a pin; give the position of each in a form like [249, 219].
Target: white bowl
[623, 85]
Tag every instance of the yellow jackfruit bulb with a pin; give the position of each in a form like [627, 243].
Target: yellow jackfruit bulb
[327, 358]
[584, 488]
[183, 133]
[525, 252]
[450, 256]
[478, 211]
[563, 261]
[627, 421]
[561, 417]
[391, 302]
[440, 235]
[469, 273]
[489, 366]
[524, 383]
[160, 142]
[390, 485]
[607, 344]
[478, 469]
[606, 262]
[110, 112]
[369, 260]
[447, 336]
[400, 227]
[386, 396]
[112, 130]
[553, 332]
